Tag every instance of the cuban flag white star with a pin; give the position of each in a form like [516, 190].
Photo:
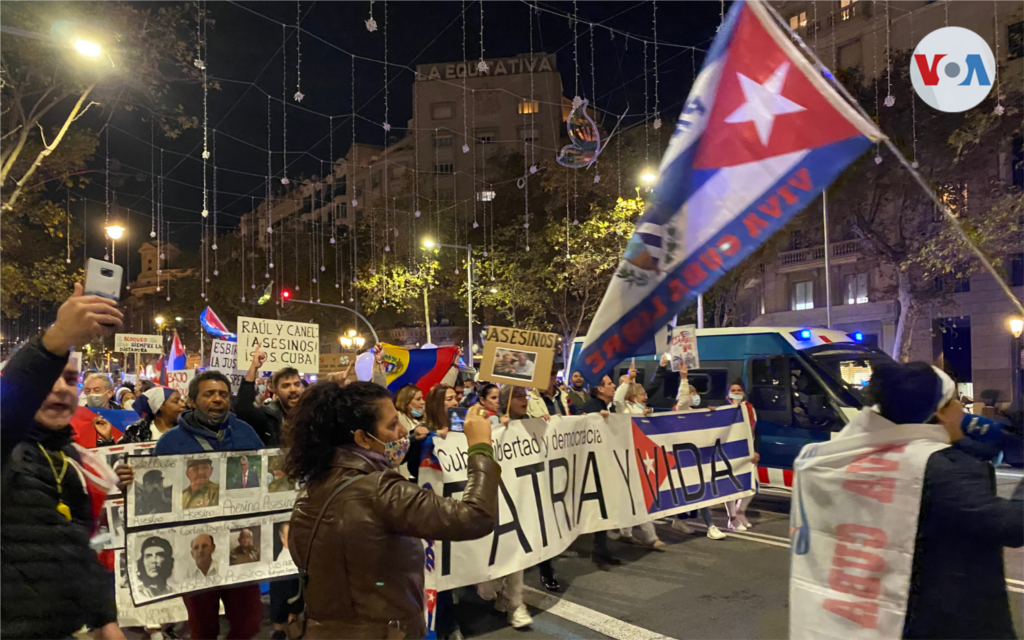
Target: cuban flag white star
[763, 102]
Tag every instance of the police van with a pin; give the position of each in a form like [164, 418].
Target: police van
[805, 383]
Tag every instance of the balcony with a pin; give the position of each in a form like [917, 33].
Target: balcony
[811, 257]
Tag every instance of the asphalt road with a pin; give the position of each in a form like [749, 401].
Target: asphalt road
[695, 588]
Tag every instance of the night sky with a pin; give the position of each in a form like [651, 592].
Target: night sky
[245, 57]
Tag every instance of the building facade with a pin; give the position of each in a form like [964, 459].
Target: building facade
[968, 331]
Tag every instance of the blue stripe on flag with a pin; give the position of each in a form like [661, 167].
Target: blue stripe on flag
[724, 487]
[668, 424]
[677, 292]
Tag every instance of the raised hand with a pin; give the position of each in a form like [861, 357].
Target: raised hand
[80, 319]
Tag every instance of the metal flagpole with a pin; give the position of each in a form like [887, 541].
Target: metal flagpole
[700, 310]
[828, 250]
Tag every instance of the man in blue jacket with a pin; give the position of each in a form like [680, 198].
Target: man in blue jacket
[211, 426]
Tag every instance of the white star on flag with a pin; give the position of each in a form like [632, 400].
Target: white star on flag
[648, 463]
[764, 102]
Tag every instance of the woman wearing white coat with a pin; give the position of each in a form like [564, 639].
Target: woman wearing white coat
[631, 398]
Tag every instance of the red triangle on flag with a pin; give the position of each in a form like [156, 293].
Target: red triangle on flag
[765, 106]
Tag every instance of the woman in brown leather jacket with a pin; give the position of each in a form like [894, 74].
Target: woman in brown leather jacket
[365, 563]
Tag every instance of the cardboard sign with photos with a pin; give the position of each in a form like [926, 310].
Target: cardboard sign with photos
[518, 357]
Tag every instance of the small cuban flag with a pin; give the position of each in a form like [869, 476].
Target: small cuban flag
[176, 358]
[761, 135]
[215, 326]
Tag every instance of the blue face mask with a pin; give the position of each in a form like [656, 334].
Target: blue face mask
[416, 413]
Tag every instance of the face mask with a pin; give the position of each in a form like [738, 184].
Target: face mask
[466, 392]
[694, 401]
[395, 451]
[736, 397]
[417, 413]
[206, 420]
[94, 400]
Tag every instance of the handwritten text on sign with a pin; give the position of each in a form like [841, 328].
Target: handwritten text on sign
[179, 381]
[287, 344]
[138, 343]
[224, 356]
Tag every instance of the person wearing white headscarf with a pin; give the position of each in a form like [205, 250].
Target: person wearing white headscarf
[159, 408]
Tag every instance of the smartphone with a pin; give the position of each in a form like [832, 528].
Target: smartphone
[457, 418]
[103, 279]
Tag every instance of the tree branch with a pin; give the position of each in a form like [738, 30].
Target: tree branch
[9, 205]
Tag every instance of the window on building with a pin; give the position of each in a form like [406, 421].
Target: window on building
[1017, 270]
[945, 284]
[848, 9]
[486, 136]
[307, 204]
[529, 134]
[954, 196]
[798, 21]
[851, 55]
[485, 196]
[1017, 161]
[443, 140]
[343, 210]
[796, 240]
[1015, 40]
[341, 186]
[803, 296]
[856, 288]
[360, 188]
[442, 111]
[375, 180]
[528, 107]
[445, 168]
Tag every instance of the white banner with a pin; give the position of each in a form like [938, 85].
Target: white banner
[572, 476]
[138, 343]
[151, 615]
[287, 344]
[856, 501]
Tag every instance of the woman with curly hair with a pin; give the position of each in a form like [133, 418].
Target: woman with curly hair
[356, 526]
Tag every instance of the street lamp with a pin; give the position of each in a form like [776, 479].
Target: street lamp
[88, 48]
[648, 177]
[159, 320]
[114, 232]
[1016, 328]
[430, 244]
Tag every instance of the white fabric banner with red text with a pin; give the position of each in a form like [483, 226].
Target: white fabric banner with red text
[854, 516]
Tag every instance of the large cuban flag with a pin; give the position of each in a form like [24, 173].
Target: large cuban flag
[761, 135]
[215, 326]
[176, 358]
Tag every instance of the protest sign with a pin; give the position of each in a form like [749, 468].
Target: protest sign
[517, 357]
[224, 356]
[335, 362]
[211, 484]
[570, 476]
[151, 615]
[138, 343]
[683, 347]
[287, 344]
[179, 381]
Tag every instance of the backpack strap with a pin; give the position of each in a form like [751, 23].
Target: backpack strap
[304, 574]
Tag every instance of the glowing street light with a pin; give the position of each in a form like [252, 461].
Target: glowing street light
[648, 177]
[428, 244]
[88, 48]
[159, 320]
[114, 231]
[1016, 327]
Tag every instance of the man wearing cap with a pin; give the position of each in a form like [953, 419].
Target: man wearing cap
[245, 552]
[281, 481]
[200, 492]
[152, 496]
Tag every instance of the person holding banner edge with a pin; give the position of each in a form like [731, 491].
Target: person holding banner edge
[46, 511]
[362, 567]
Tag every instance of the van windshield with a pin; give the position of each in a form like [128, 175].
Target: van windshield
[847, 367]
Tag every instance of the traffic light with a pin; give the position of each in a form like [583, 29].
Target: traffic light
[285, 295]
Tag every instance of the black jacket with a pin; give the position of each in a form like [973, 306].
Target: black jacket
[139, 431]
[957, 584]
[265, 420]
[596, 405]
[51, 582]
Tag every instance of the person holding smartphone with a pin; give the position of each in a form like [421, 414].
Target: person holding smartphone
[47, 512]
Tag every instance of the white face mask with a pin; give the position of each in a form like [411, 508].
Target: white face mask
[93, 400]
[694, 401]
[736, 397]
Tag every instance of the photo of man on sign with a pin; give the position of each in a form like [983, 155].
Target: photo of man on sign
[517, 357]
